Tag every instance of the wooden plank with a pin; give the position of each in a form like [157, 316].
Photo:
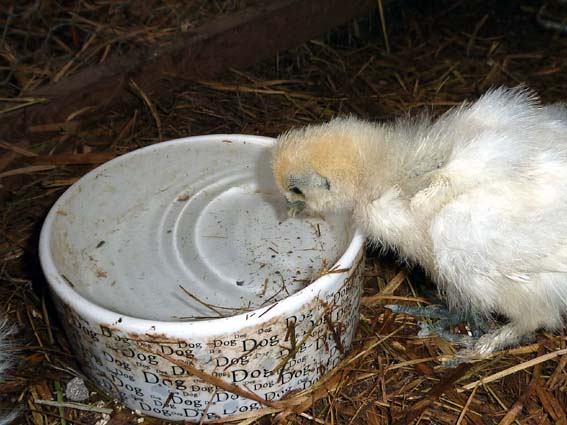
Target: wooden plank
[237, 40]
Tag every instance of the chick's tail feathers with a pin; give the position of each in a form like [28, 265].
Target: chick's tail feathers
[7, 359]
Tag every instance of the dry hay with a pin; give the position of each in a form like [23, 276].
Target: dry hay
[440, 55]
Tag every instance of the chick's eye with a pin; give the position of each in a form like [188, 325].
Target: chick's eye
[295, 190]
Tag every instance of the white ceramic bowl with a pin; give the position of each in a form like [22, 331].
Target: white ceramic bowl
[181, 253]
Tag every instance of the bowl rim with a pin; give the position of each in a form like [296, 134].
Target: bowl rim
[98, 314]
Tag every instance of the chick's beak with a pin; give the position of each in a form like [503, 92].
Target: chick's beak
[294, 208]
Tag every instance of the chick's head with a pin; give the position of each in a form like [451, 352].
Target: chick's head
[318, 167]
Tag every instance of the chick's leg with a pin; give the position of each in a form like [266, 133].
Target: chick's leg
[506, 336]
[446, 319]
[484, 339]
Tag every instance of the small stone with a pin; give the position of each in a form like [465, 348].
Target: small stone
[76, 390]
[104, 420]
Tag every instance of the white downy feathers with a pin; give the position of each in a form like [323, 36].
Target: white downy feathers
[6, 361]
[478, 197]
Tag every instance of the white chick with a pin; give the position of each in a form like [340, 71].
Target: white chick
[6, 361]
[477, 197]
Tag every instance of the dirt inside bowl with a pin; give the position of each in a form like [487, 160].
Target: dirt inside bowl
[189, 231]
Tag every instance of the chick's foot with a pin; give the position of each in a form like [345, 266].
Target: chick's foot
[445, 321]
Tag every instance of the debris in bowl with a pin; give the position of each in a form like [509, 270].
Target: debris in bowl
[217, 229]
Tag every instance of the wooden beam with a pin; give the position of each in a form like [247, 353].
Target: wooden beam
[237, 40]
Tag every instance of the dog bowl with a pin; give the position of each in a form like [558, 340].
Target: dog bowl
[185, 290]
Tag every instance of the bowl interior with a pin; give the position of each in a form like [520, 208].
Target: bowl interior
[187, 230]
